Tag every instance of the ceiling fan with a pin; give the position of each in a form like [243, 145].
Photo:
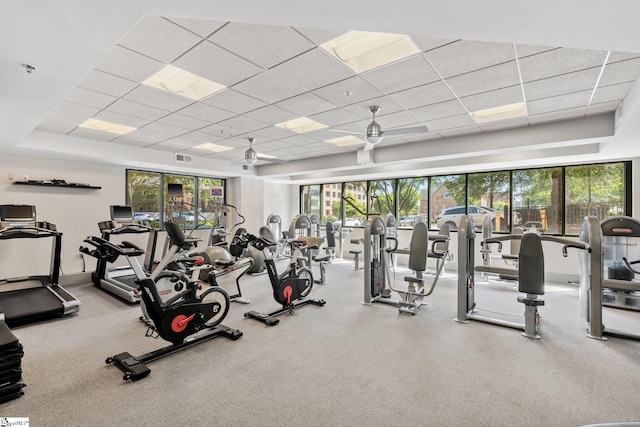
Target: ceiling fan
[374, 133]
[251, 156]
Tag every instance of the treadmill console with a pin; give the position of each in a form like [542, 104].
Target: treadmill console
[17, 216]
[122, 214]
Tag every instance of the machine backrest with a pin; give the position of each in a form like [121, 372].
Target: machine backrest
[331, 237]
[515, 243]
[443, 231]
[531, 265]
[266, 233]
[418, 247]
[177, 236]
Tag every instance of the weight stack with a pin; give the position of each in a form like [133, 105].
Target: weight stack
[11, 354]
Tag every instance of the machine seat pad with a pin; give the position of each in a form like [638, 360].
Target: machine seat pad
[412, 279]
[322, 258]
[530, 301]
[355, 251]
[503, 271]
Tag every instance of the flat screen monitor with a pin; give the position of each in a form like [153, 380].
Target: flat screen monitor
[174, 190]
[122, 213]
[17, 213]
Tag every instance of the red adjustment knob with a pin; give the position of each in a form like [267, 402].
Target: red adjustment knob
[199, 261]
[287, 292]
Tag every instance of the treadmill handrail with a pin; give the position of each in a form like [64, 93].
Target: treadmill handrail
[27, 231]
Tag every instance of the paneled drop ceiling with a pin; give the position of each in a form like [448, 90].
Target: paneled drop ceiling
[272, 74]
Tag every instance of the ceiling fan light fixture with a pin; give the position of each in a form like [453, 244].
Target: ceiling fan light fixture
[180, 82]
[363, 51]
[250, 156]
[374, 133]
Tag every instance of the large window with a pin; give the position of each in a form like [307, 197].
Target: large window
[489, 193]
[413, 201]
[333, 203]
[537, 198]
[148, 194]
[310, 196]
[555, 198]
[356, 206]
[596, 190]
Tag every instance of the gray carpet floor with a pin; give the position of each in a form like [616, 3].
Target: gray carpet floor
[344, 364]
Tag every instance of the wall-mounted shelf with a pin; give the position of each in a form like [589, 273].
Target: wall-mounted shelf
[56, 184]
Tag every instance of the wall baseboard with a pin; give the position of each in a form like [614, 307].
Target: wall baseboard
[75, 279]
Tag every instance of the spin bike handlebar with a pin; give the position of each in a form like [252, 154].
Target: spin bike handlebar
[629, 264]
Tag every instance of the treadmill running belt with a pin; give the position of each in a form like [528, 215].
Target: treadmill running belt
[27, 305]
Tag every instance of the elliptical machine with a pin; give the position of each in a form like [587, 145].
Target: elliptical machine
[291, 287]
[176, 320]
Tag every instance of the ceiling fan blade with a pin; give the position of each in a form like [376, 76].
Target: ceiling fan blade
[346, 131]
[406, 131]
[368, 146]
[270, 159]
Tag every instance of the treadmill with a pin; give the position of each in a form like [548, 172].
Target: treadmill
[33, 298]
[120, 280]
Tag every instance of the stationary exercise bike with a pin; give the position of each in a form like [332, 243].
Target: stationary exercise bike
[185, 319]
[291, 287]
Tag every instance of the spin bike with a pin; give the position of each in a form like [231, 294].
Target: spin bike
[291, 287]
[186, 319]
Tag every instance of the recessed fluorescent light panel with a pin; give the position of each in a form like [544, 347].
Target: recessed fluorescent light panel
[363, 51]
[213, 147]
[106, 126]
[175, 80]
[301, 125]
[500, 113]
[345, 141]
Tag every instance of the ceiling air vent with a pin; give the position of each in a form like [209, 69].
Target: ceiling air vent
[184, 158]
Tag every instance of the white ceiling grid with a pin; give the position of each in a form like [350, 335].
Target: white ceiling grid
[274, 74]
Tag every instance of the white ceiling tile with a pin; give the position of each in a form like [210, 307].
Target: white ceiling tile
[556, 116]
[198, 26]
[164, 129]
[67, 120]
[398, 119]
[559, 61]
[557, 103]
[305, 104]
[264, 45]
[313, 69]
[487, 79]
[182, 121]
[466, 56]
[438, 125]
[334, 117]
[166, 146]
[180, 142]
[206, 112]
[348, 91]
[121, 119]
[269, 87]
[214, 63]
[495, 98]
[525, 50]
[234, 101]
[159, 39]
[93, 134]
[144, 135]
[431, 93]
[199, 137]
[432, 112]
[132, 142]
[385, 104]
[611, 93]
[621, 56]
[220, 131]
[74, 109]
[429, 43]
[54, 127]
[401, 75]
[620, 72]
[319, 36]
[605, 107]
[271, 114]
[124, 106]
[153, 97]
[561, 85]
[102, 82]
[129, 65]
[272, 133]
[90, 98]
[243, 124]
